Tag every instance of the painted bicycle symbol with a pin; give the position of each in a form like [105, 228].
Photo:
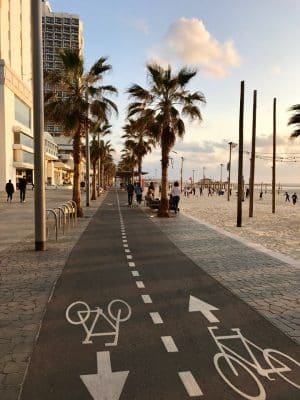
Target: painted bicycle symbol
[79, 313]
[278, 364]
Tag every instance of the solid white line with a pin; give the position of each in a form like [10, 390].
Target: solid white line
[140, 284]
[129, 257]
[146, 298]
[156, 318]
[135, 273]
[127, 250]
[190, 384]
[131, 264]
[169, 344]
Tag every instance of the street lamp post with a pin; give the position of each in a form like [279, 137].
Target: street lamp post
[231, 146]
[38, 127]
[221, 165]
[181, 171]
[193, 176]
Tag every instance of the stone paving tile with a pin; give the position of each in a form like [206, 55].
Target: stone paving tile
[27, 279]
[266, 283]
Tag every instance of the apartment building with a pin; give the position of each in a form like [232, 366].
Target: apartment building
[60, 30]
[16, 137]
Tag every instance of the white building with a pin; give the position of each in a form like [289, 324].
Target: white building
[16, 141]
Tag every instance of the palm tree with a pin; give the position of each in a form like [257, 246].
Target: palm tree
[162, 106]
[128, 161]
[95, 156]
[84, 98]
[295, 120]
[138, 141]
[105, 150]
[101, 129]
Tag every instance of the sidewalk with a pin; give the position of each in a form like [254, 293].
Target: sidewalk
[27, 279]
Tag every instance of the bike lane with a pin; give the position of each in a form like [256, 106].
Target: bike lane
[167, 350]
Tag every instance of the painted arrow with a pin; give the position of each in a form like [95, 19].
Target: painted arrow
[105, 385]
[206, 309]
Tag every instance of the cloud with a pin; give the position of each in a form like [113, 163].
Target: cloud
[276, 70]
[140, 25]
[188, 41]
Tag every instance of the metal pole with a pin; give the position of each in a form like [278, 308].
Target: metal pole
[274, 157]
[181, 170]
[87, 159]
[99, 166]
[252, 164]
[38, 126]
[221, 165]
[241, 145]
[229, 170]
[193, 177]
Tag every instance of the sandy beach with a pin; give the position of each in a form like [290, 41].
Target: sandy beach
[278, 232]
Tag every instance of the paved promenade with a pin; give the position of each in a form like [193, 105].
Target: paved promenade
[27, 278]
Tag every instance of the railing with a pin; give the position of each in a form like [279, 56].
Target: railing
[65, 216]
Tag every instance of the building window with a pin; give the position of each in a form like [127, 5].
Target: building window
[22, 113]
[27, 157]
[21, 138]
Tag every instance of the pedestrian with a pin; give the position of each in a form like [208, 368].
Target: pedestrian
[130, 190]
[194, 190]
[287, 197]
[175, 196]
[209, 191]
[294, 198]
[22, 188]
[247, 193]
[260, 195]
[201, 191]
[139, 193]
[9, 188]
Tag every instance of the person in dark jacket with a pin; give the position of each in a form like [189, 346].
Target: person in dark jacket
[22, 187]
[130, 191]
[9, 188]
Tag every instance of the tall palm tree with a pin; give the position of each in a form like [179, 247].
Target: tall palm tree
[95, 156]
[138, 141]
[84, 99]
[105, 150]
[101, 129]
[128, 161]
[295, 120]
[162, 105]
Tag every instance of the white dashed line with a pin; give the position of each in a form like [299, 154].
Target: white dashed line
[131, 264]
[135, 273]
[169, 344]
[146, 298]
[190, 384]
[124, 240]
[140, 284]
[156, 318]
[125, 245]
[129, 257]
[127, 250]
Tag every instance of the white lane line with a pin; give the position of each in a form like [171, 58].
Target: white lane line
[140, 284]
[127, 250]
[125, 245]
[135, 273]
[156, 318]
[146, 298]
[124, 240]
[131, 264]
[169, 344]
[190, 384]
[129, 257]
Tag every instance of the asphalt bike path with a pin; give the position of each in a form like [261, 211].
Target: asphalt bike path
[133, 318]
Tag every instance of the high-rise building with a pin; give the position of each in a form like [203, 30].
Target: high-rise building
[60, 31]
[16, 137]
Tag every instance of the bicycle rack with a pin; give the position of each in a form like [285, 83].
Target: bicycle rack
[51, 210]
[74, 210]
[61, 220]
[67, 212]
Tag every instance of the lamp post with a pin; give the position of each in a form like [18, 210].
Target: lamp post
[193, 176]
[181, 171]
[221, 165]
[38, 132]
[203, 169]
[231, 146]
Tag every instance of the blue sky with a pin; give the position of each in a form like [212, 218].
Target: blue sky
[228, 41]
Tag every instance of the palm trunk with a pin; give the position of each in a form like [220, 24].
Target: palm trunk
[102, 176]
[99, 169]
[164, 202]
[76, 176]
[140, 170]
[94, 182]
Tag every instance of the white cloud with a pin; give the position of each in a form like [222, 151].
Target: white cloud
[140, 25]
[188, 41]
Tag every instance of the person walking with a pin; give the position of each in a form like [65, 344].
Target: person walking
[139, 193]
[9, 188]
[22, 188]
[287, 197]
[294, 198]
[130, 190]
[175, 196]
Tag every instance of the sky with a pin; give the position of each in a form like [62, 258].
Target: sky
[227, 41]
